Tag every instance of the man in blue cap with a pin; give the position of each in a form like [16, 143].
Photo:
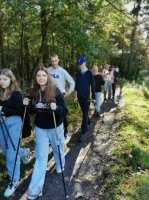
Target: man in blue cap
[83, 88]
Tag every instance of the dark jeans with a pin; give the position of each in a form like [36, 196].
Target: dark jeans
[113, 89]
[65, 125]
[84, 104]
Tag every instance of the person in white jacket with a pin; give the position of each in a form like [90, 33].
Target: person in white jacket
[61, 77]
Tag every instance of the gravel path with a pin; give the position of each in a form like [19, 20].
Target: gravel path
[85, 162]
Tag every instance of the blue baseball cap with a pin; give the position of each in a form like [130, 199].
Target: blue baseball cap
[81, 60]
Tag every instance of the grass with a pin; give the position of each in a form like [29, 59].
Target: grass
[74, 114]
[128, 175]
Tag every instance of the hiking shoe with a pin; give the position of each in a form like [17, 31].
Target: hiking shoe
[97, 115]
[88, 128]
[65, 135]
[33, 197]
[26, 158]
[11, 188]
[113, 100]
[82, 138]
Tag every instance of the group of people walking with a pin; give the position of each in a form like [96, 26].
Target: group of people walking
[110, 75]
[47, 104]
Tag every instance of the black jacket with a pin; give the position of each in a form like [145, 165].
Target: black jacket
[44, 115]
[14, 106]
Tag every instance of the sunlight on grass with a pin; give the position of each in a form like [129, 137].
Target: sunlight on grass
[129, 173]
[74, 114]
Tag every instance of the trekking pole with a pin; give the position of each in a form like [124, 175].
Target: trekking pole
[57, 139]
[3, 132]
[6, 128]
[20, 137]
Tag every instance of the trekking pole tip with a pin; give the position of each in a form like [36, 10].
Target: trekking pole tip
[103, 122]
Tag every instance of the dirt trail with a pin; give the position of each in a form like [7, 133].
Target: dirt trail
[85, 163]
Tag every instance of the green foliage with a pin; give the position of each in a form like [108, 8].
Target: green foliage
[99, 30]
[138, 158]
[129, 171]
[74, 114]
[143, 78]
[146, 92]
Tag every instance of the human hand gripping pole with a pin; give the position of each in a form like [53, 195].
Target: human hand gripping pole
[1, 108]
[53, 105]
[20, 137]
[26, 101]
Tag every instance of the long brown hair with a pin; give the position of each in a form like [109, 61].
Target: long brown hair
[13, 84]
[50, 90]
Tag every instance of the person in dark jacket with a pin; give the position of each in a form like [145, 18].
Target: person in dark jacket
[11, 108]
[45, 99]
[98, 87]
[114, 77]
[83, 88]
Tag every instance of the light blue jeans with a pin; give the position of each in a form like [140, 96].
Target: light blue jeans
[108, 88]
[97, 99]
[42, 138]
[14, 124]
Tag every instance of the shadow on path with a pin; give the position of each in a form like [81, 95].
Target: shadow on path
[85, 162]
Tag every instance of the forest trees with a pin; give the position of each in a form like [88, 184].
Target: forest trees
[102, 30]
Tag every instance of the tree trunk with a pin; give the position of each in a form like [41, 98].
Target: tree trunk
[135, 13]
[122, 64]
[43, 46]
[26, 60]
[2, 57]
[44, 27]
[132, 44]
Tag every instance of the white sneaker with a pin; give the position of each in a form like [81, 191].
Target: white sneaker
[33, 197]
[26, 158]
[11, 189]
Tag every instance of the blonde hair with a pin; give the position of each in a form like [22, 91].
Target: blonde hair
[53, 55]
[13, 84]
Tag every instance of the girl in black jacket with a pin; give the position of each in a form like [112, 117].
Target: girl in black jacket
[45, 99]
[11, 111]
